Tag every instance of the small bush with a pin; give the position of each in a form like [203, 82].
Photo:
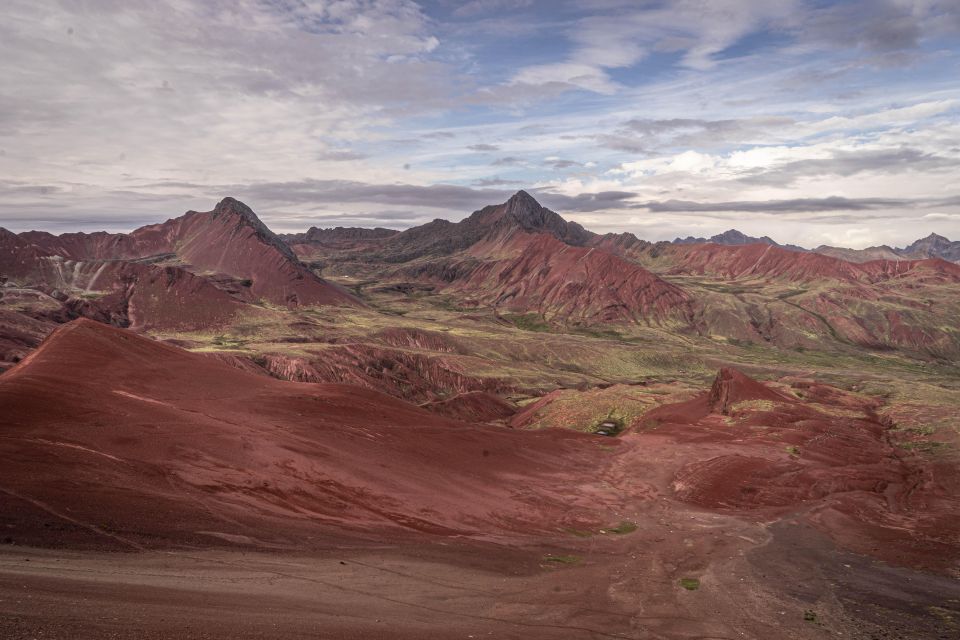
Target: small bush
[690, 584]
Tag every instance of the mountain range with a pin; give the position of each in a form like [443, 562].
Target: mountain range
[932, 246]
[519, 259]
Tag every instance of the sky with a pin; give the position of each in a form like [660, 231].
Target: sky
[811, 121]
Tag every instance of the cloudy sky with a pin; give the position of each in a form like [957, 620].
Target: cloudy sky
[814, 122]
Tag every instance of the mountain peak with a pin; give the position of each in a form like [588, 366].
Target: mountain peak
[524, 210]
[233, 208]
[522, 198]
[730, 237]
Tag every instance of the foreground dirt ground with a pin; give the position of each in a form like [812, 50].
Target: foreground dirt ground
[755, 581]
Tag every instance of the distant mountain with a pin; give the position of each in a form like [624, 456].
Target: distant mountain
[521, 212]
[338, 236]
[732, 237]
[777, 263]
[518, 257]
[882, 252]
[933, 246]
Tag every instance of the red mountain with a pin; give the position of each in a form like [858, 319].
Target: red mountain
[443, 238]
[227, 243]
[169, 447]
[762, 260]
[521, 257]
[523, 272]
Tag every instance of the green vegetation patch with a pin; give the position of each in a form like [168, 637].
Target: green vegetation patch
[752, 405]
[622, 528]
[690, 584]
[527, 321]
[602, 334]
[925, 446]
[228, 342]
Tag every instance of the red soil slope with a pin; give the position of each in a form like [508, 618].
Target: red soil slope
[111, 438]
[815, 450]
[761, 260]
[473, 406]
[535, 272]
[126, 293]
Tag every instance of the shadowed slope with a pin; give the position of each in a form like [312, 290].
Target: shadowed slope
[443, 238]
[164, 445]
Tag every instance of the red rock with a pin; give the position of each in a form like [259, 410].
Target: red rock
[732, 386]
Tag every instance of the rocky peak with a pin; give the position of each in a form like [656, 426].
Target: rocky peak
[233, 209]
[733, 236]
[934, 246]
[729, 237]
[932, 241]
[523, 209]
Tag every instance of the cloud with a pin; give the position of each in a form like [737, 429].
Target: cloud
[586, 202]
[483, 147]
[629, 32]
[560, 163]
[644, 135]
[322, 193]
[340, 155]
[796, 205]
[876, 25]
[495, 182]
[475, 7]
[850, 163]
[219, 89]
